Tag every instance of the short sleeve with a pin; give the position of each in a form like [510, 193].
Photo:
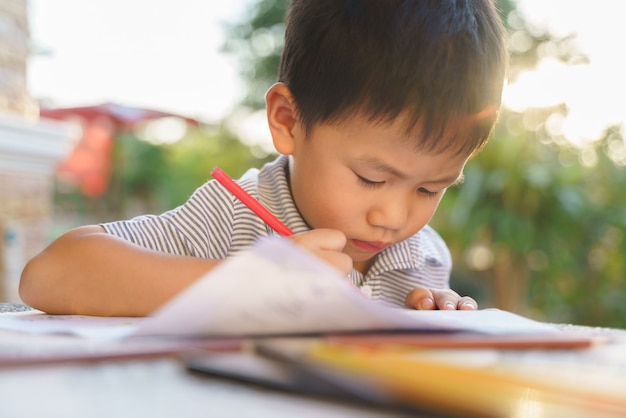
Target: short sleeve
[202, 227]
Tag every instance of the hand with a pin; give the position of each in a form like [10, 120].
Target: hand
[422, 298]
[326, 244]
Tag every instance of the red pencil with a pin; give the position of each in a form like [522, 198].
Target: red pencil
[254, 205]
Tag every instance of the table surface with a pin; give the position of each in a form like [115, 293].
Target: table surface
[149, 388]
[163, 388]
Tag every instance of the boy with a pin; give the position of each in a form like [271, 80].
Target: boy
[377, 108]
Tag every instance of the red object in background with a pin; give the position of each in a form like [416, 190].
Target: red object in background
[122, 116]
[88, 167]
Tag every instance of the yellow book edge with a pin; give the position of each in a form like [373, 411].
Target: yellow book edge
[495, 391]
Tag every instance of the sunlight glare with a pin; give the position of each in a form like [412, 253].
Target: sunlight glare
[163, 130]
[593, 92]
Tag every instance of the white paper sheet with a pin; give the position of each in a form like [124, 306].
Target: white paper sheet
[37, 322]
[278, 288]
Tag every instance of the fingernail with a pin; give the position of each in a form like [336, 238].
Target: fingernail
[469, 305]
[427, 303]
[450, 305]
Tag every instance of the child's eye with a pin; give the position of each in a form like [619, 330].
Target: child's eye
[369, 183]
[428, 193]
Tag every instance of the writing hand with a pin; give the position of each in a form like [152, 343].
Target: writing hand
[422, 298]
[326, 244]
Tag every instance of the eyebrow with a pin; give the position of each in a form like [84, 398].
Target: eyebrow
[376, 164]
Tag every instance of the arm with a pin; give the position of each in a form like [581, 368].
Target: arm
[87, 271]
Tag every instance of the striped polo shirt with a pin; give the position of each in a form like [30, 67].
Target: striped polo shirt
[214, 224]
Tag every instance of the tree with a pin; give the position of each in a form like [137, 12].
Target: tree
[257, 41]
[540, 223]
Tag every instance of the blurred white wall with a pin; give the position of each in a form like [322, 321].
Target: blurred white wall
[30, 149]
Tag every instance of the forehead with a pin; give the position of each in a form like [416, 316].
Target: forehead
[386, 147]
[458, 138]
[453, 139]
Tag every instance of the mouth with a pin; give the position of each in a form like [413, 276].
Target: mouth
[371, 246]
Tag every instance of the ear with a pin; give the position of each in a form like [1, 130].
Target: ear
[281, 117]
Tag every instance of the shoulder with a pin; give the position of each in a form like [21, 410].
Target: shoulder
[255, 179]
[213, 192]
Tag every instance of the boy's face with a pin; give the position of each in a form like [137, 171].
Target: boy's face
[368, 181]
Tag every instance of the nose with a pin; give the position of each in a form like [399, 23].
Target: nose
[392, 212]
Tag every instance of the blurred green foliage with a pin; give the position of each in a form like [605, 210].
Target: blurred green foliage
[257, 41]
[542, 225]
[151, 178]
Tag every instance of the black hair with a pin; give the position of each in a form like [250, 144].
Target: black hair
[439, 63]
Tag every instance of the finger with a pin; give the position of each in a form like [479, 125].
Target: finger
[326, 244]
[341, 261]
[333, 239]
[420, 298]
[466, 303]
[446, 299]
[325, 239]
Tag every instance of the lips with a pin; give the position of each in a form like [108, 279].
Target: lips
[371, 246]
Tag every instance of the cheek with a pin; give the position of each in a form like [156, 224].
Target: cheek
[424, 211]
[331, 210]
[333, 205]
